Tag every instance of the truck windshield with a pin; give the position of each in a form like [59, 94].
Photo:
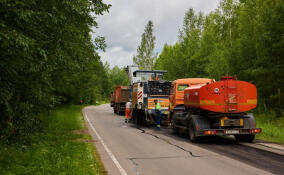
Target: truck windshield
[181, 87]
[149, 75]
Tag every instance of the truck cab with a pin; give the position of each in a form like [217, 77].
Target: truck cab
[177, 90]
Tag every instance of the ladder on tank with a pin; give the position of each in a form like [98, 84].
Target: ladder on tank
[231, 95]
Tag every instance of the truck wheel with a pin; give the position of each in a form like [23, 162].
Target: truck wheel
[115, 110]
[140, 118]
[192, 133]
[244, 138]
[175, 129]
[134, 116]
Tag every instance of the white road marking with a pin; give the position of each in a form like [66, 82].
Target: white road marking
[122, 171]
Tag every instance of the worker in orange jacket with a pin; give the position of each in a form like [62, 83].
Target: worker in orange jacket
[127, 111]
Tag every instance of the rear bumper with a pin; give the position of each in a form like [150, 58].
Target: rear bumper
[230, 131]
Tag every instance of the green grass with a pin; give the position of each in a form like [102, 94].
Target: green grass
[272, 127]
[55, 150]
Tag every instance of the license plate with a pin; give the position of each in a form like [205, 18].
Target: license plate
[232, 132]
[166, 112]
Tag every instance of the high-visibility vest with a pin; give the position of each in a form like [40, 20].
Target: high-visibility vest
[158, 106]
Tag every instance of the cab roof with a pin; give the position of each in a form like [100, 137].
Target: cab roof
[193, 81]
[121, 87]
[149, 71]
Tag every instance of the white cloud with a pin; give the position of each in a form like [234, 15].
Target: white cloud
[116, 56]
[125, 23]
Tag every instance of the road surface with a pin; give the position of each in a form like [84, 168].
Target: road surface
[124, 149]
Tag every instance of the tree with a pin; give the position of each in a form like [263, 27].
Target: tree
[47, 58]
[260, 46]
[118, 76]
[145, 57]
[170, 59]
[180, 60]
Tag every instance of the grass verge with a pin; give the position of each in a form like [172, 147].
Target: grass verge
[63, 147]
[272, 127]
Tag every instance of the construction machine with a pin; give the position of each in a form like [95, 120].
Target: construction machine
[146, 86]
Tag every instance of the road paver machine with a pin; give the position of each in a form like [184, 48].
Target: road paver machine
[146, 86]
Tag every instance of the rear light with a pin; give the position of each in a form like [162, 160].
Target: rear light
[209, 132]
[255, 131]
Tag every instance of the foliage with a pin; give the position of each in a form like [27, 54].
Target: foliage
[116, 76]
[171, 55]
[243, 37]
[56, 150]
[272, 126]
[47, 58]
[145, 57]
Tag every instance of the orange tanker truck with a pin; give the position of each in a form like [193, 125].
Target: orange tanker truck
[214, 108]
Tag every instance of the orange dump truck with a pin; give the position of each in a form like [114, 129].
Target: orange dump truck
[215, 108]
[120, 96]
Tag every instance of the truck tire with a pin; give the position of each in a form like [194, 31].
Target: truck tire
[134, 116]
[174, 128]
[116, 109]
[192, 132]
[141, 118]
[244, 138]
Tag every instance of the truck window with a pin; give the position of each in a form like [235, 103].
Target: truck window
[181, 87]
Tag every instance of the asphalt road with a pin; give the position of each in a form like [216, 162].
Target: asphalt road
[124, 149]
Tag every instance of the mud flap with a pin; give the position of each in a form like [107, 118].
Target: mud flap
[201, 123]
[249, 121]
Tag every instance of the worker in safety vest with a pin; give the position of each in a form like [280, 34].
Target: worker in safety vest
[127, 111]
[158, 113]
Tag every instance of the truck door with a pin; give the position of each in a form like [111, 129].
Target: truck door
[172, 97]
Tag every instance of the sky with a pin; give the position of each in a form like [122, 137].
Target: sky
[123, 26]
